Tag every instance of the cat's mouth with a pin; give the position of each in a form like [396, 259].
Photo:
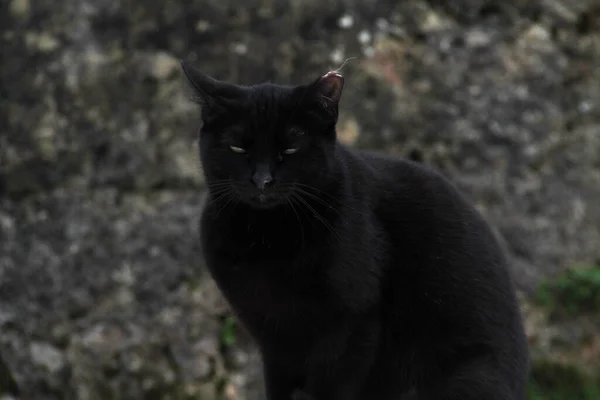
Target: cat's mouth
[266, 200]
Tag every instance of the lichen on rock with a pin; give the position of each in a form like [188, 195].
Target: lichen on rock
[102, 291]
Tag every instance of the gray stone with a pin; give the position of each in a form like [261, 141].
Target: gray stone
[46, 356]
[102, 289]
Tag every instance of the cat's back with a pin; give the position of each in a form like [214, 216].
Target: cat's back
[409, 185]
[439, 241]
[425, 214]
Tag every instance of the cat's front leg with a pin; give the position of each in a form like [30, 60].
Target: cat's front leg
[301, 395]
[479, 379]
[341, 361]
[280, 381]
[336, 391]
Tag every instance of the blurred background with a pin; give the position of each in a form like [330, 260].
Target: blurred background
[102, 291]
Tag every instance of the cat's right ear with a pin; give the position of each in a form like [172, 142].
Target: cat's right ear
[325, 93]
[213, 95]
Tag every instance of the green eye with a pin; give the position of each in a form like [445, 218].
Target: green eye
[238, 150]
[290, 151]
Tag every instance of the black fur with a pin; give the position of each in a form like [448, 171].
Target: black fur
[360, 276]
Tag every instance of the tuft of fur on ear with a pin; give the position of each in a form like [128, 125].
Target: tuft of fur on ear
[213, 95]
[330, 86]
[326, 91]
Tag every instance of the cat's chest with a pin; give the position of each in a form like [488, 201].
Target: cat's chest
[268, 295]
[270, 275]
[272, 237]
[272, 284]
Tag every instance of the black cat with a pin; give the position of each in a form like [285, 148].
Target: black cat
[361, 276]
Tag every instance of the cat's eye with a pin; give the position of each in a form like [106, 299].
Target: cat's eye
[289, 151]
[238, 150]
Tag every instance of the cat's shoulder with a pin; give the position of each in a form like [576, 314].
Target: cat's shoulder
[395, 169]
[394, 179]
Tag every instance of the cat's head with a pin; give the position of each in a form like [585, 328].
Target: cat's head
[264, 144]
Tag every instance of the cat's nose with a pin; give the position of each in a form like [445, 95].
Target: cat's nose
[262, 179]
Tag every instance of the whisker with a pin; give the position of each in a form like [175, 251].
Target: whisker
[218, 194]
[316, 198]
[221, 188]
[214, 185]
[298, 217]
[232, 197]
[317, 215]
[219, 181]
[323, 193]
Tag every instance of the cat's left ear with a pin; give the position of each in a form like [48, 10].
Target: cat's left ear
[214, 96]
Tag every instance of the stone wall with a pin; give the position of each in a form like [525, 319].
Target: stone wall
[102, 294]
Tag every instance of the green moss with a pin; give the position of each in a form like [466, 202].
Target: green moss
[575, 292]
[228, 332]
[553, 381]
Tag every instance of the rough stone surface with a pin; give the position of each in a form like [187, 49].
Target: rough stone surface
[102, 294]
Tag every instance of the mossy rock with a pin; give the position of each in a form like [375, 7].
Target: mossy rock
[554, 381]
[575, 292]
